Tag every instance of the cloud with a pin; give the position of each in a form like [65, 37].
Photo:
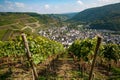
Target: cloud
[10, 6]
[1, 6]
[108, 1]
[7, 2]
[80, 2]
[20, 5]
[47, 6]
[75, 6]
[104, 0]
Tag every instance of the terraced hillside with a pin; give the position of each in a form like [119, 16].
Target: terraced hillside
[22, 22]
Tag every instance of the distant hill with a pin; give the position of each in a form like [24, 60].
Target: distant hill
[61, 17]
[70, 15]
[43, 18]
[105, 17]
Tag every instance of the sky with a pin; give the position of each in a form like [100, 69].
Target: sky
[51, 6]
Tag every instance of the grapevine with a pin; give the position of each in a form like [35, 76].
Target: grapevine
[40, 47]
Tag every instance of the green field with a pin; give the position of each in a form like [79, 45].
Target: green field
[2, 32]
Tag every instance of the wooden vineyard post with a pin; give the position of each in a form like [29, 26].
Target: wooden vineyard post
[99, 39]
[29, 56]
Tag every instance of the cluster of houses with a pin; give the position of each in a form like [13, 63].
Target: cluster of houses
[66, 35]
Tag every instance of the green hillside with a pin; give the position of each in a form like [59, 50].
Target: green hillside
[62, 17]
[43, 18]
[29, 23]
[105, 17]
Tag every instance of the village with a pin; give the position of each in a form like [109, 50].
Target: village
[66, 35]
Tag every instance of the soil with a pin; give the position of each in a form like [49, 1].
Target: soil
[61, 68]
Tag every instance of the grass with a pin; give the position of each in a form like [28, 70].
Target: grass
[6, 19]
[6, 75]
[115, 74]
[116, 70]
[7, 34]
[14, 21]
[6, 22]
[27, 30]
[2, 32]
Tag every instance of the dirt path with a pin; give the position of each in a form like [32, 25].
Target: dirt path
[65, 68]
[61, 69]
[32, 29]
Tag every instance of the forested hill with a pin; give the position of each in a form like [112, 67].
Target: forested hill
[63, 17]
[105, 17]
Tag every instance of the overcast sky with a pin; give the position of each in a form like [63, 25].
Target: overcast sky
[51, 6]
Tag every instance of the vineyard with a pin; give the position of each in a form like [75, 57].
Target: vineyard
[53, 62]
